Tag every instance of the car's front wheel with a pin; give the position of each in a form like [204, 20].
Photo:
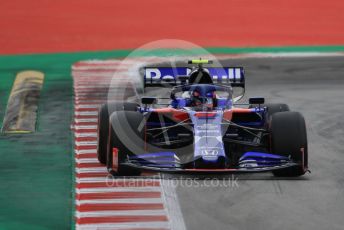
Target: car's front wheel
[289, 138]
[126, 137]
[104, 114]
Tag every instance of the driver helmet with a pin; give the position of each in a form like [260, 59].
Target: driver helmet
[208, 102]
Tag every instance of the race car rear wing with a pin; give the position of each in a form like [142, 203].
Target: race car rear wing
[173, 76]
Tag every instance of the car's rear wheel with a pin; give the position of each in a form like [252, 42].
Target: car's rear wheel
[126, 129]
[289, 138]
[104, 113]
[275, 108]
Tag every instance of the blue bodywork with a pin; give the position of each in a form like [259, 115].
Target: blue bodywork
[208, 136]
[209, 151]
[250, 162]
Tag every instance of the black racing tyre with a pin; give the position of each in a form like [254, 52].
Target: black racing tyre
[289, 138]
[104, 113]
[126, 129]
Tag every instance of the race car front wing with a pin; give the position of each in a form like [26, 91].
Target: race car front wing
[250, 162]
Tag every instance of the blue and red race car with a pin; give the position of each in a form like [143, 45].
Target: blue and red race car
[203, 128]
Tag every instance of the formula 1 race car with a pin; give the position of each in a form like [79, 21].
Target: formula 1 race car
[203, 129]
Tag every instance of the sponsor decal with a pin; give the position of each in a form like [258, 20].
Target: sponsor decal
[210, 152]
[169, 74]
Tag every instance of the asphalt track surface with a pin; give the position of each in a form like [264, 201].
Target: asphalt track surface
[313, 86]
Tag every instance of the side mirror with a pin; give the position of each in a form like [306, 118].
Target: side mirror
[256, 100]
[148, 100]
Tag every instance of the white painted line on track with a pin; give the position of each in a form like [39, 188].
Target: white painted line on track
[86, 120]
[87, 160]
[86, 113]
[118, 189]
[121, 213]
[92, 134]
[85, 151]
[85, 143]
[90, 106]
[91, 179]
[121, 201]
[86, 126]
[90, 169]
[125, 226]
